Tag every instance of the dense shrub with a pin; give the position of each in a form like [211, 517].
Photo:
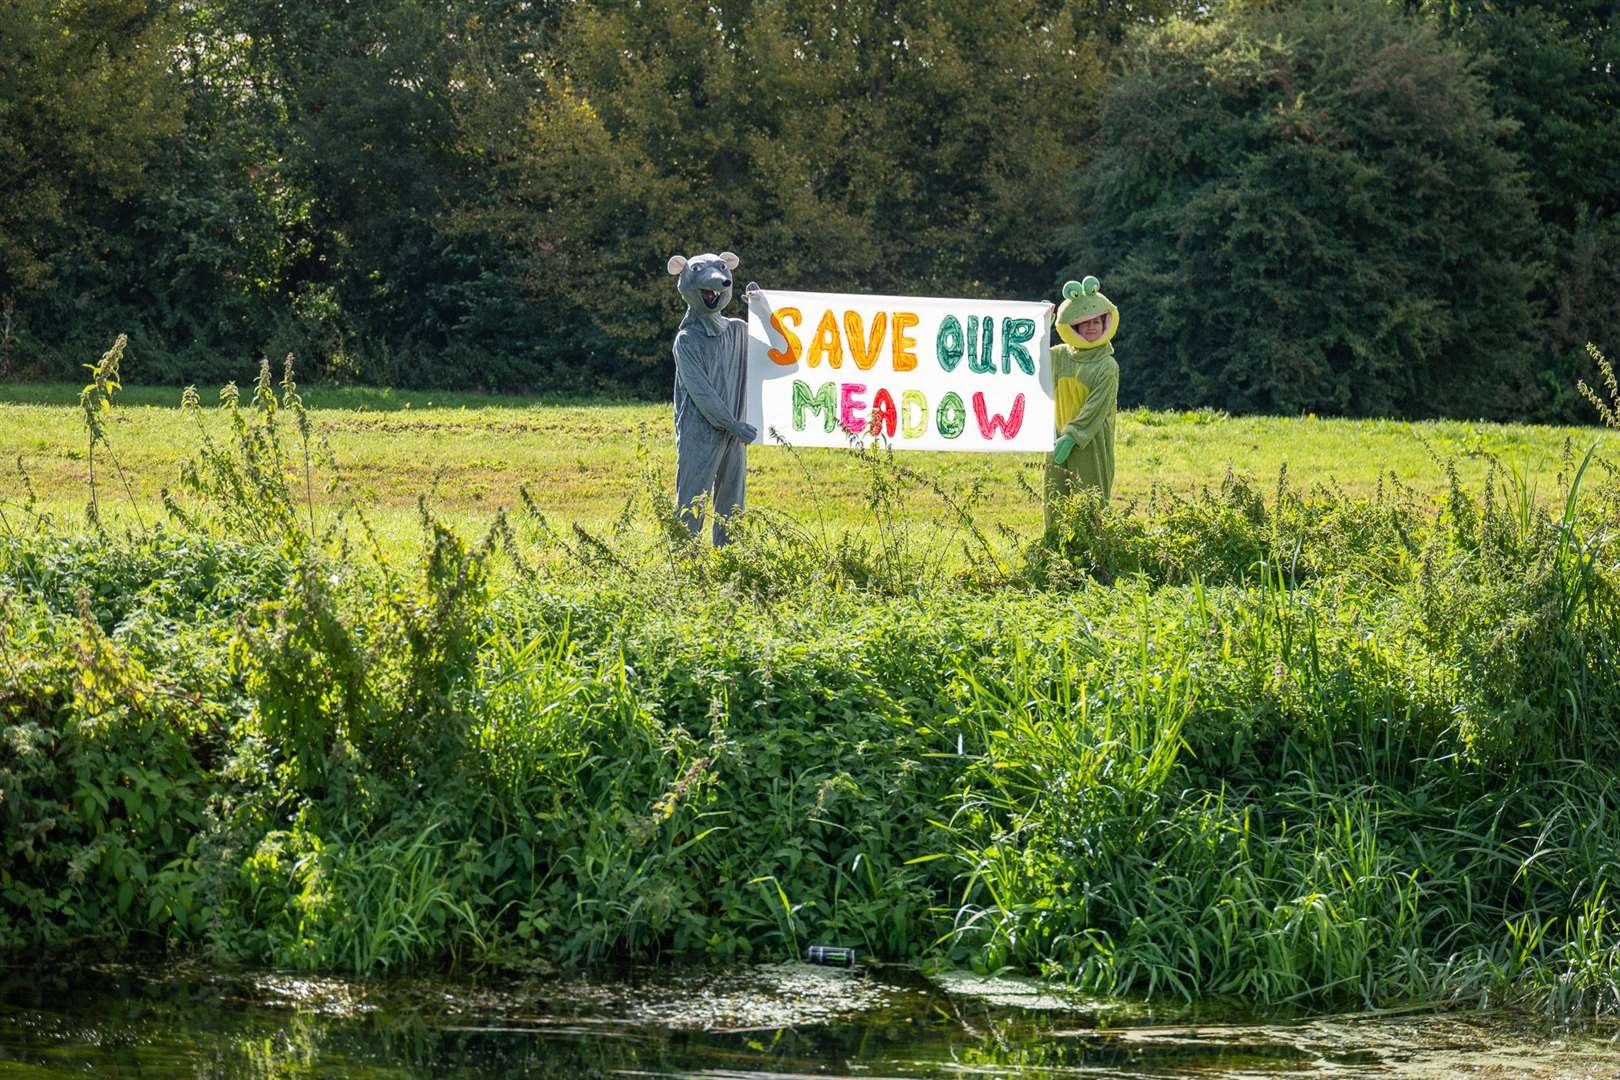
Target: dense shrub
[1307, 208]
[1304, 746]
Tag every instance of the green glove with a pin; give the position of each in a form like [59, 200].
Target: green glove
[1060, 451]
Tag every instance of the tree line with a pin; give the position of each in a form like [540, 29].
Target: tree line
[1348, 207]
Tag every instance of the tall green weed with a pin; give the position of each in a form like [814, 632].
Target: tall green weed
[1281, 744]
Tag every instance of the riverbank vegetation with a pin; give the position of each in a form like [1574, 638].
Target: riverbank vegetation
[1265, 739]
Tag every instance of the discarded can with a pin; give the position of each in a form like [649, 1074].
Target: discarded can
[830, 955]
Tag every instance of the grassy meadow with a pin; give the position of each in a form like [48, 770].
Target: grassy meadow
[470, 454]
[1340, 737]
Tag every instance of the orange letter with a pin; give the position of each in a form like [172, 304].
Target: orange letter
[904, 358]
[790, 356]
[863, 349]
[826, 343]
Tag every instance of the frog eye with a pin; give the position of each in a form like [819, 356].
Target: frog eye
[1090, 285]
[1071, 289]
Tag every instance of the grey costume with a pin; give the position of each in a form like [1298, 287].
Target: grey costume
[710, 369]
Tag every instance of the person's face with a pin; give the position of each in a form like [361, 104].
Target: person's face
[1093, 328]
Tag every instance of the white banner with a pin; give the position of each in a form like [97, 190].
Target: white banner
[920, 372]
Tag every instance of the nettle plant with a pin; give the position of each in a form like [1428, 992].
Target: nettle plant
[254, 485]
[1608, 409]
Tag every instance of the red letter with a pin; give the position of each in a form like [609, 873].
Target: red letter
[988, 424]
[884, 414]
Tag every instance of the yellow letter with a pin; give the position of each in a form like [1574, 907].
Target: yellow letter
[862, 348]
[826, 343]
[912, 424]
[790, 356]
[904, 358]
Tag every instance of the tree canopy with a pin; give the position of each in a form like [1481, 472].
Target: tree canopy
[1353, 207]
[1310, 209]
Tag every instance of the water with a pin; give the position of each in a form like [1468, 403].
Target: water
[151, 1020]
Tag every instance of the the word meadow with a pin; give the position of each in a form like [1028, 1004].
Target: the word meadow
[919, 373]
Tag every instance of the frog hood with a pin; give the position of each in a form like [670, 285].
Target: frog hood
[1082, 301]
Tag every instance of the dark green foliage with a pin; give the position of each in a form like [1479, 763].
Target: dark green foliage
[1308, 209]
[1551, 70]
[849, 149]
[116, 732]
[1339, 208]
[1550, 67]
[367, 139]
[85, 96]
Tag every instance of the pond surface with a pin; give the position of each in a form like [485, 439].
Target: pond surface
[155, 1020]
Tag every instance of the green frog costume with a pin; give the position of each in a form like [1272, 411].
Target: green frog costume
[1086, 385]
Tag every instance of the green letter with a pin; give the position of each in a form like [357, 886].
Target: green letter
[982, 361]
[1014, 332]
[948, 346]
[952, 416]
[824, 401]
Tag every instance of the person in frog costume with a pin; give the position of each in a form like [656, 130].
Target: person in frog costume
[1085, 379]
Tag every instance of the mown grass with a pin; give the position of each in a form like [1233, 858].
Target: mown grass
[1262, 738]
[470, 455]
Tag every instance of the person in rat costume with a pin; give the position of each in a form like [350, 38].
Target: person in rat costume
[1086, 385]
[710, 369]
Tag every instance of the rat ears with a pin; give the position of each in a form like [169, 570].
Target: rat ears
[1072, 289]
[677, 263]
